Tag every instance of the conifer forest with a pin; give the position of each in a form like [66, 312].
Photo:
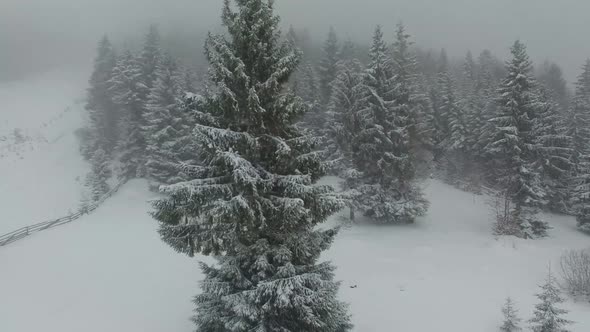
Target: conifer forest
[261, 173]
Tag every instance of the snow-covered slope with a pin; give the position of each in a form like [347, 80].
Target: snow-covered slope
[110, 272]
[44, 164]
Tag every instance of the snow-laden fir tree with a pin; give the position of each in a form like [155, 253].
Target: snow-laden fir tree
[453, 131]
[130, 93]
[548, 316]
[342, 125]
[100, 172]
[382, 150]
[514, 148]
[305, 85]
[328, 66]
[411, 105]
[554, 153]
[551, 78]
[578, 123]
[482, 106]
[440, 105]
[349, 51]
[511, 320]
[150, 56]
[252, 202]
[166, 123]
[103, 113]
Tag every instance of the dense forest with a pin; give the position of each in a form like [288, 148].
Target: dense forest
[237, 153]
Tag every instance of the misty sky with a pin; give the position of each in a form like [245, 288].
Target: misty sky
[38, 33]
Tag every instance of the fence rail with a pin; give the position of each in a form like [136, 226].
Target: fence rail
[23, 232]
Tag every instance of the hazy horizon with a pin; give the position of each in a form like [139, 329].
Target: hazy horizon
[40, 34]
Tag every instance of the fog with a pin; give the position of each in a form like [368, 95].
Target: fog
[39, 34]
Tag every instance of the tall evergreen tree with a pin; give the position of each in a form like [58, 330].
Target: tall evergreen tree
[150, 56]
[103, 112]
[329, 65]
[551, 78]
[410, 103]
[547, 316]
[166, 125]
[511, 319]
[99, 174]
[554, 153]
[382, 149]
[253, 203]
[349, 51]
[342, 126]
[579, 130]
[130, 93]
[442, 100]
[514, 143]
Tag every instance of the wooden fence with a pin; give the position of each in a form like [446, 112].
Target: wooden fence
[28, 230]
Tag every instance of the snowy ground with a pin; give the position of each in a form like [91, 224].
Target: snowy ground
[45, 169]
[110, 272]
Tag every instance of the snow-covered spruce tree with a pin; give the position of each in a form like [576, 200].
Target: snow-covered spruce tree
[382, 151]
[328, 66]
[578, 123]
[551, 78]
[150, 56]
[253, 203]
[547, 315]
[453, 132]
[166, 124]
[349, 51]
[410, 102]
[99, 174]
[554, 153]
[483, 106]
[305, 85]
[511, 319]
[578, 115]
[130, 93]
[514, 148]
[342, 125]
[442, 84]
[103, 113]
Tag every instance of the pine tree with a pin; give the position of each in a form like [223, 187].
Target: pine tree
[103, 112]
[342, 123]
[547, 316]
[410, 104]
[349, 51]
[253, 203]
[305, 85]
[578, 128]
[130, 94]
[551, 78]
[441, 102]
[511, 319]
[166, 124]
[150, 56]
[514, 144]
[328, 65]
[382, 149]
[99, 174]
[453, 130]
[554, 153]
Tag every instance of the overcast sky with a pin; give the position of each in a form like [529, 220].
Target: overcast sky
[37, 33]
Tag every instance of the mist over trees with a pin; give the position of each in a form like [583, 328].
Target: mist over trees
[237, 156]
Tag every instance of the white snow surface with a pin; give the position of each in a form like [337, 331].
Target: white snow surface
[43, 175]
[109, 271]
